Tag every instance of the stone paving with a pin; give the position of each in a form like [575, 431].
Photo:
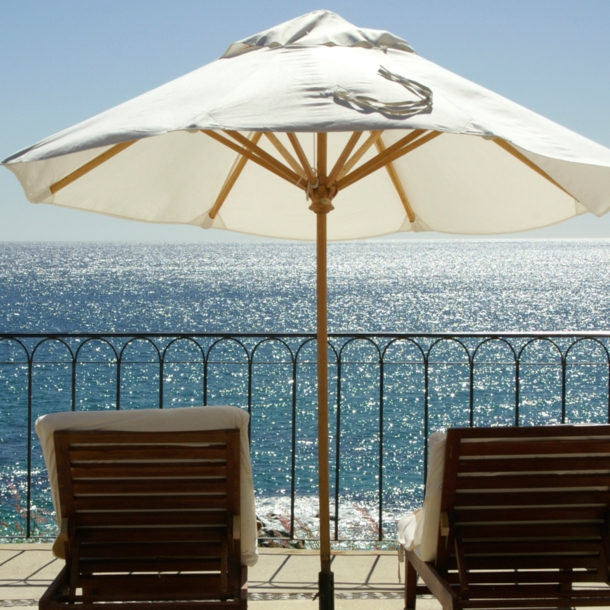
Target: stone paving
[281, 580]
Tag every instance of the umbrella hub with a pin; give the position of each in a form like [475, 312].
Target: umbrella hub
[321, 200]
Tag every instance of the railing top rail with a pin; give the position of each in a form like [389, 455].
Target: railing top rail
[460, 334]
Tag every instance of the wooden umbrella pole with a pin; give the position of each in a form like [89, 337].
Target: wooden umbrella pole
[322, 204]
[323, 448]
[326, 581]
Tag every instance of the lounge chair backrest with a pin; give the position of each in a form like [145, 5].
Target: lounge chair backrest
[526, 498]
[142, 507]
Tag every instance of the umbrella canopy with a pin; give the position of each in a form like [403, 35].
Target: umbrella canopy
[467, 160]
[319, 115]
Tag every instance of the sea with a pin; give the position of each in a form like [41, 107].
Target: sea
[382, 286]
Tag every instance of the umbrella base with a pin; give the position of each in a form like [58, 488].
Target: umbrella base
[326, 590]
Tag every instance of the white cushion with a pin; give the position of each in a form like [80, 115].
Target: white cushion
[162, 420]
[418, 530]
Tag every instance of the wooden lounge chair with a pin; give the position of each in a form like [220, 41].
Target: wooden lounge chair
[149, 517]
[524, 520]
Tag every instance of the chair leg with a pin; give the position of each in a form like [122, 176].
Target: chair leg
[410, 585]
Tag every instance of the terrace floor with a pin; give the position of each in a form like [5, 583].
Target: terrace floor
[282, 579]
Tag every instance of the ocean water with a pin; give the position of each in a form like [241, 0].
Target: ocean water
[478, 286]
[393, 286]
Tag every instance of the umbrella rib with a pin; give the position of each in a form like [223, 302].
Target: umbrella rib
[285, 153]
[359, 153]
[397, 183]
[509, 148]
[343, 157]
[397, 150]
[91, 165]
[263, 154]
[302, 157]
[232, 179]
[276, 168]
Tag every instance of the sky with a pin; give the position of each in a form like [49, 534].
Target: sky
[64, 61]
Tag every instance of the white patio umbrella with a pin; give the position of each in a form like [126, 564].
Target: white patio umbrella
[319, 115]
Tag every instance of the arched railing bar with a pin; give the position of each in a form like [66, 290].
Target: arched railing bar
[605, 351]
[275, 340]
[127, 344]
[449, 340]
[353, 340]
[228, 340]
[348, 343]
[521, 352]
[86, 342]
[164, 360]
[100, 340]
[58, 340]
[474, 355]
[30, 422]
[404, 340]
[23, 347]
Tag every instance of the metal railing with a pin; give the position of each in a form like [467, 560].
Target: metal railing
[389, 391]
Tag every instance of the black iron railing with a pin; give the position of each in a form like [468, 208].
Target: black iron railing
[388, 393]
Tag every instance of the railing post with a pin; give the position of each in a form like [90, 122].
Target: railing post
[293, 460]
[563, 388]
[381, 422]
[28, 510]
[338, 445]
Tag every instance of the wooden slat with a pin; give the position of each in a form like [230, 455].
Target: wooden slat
[563, 431]
[147, 486]
[147, 452]
[546, 463]
[547, 513]
[525, 604]
[150, 534]
[522, 576]
[526, 590]
[108, 438]
[533, 498]
[156, 549]
[118, 470]
[84, 604]
[182, 586]
[548, 480]
[533, 547]
[537, 447]
[523, 530]
[535, 591]
[118, 564]
[199, 517]
[518, 562]
[131, 503]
